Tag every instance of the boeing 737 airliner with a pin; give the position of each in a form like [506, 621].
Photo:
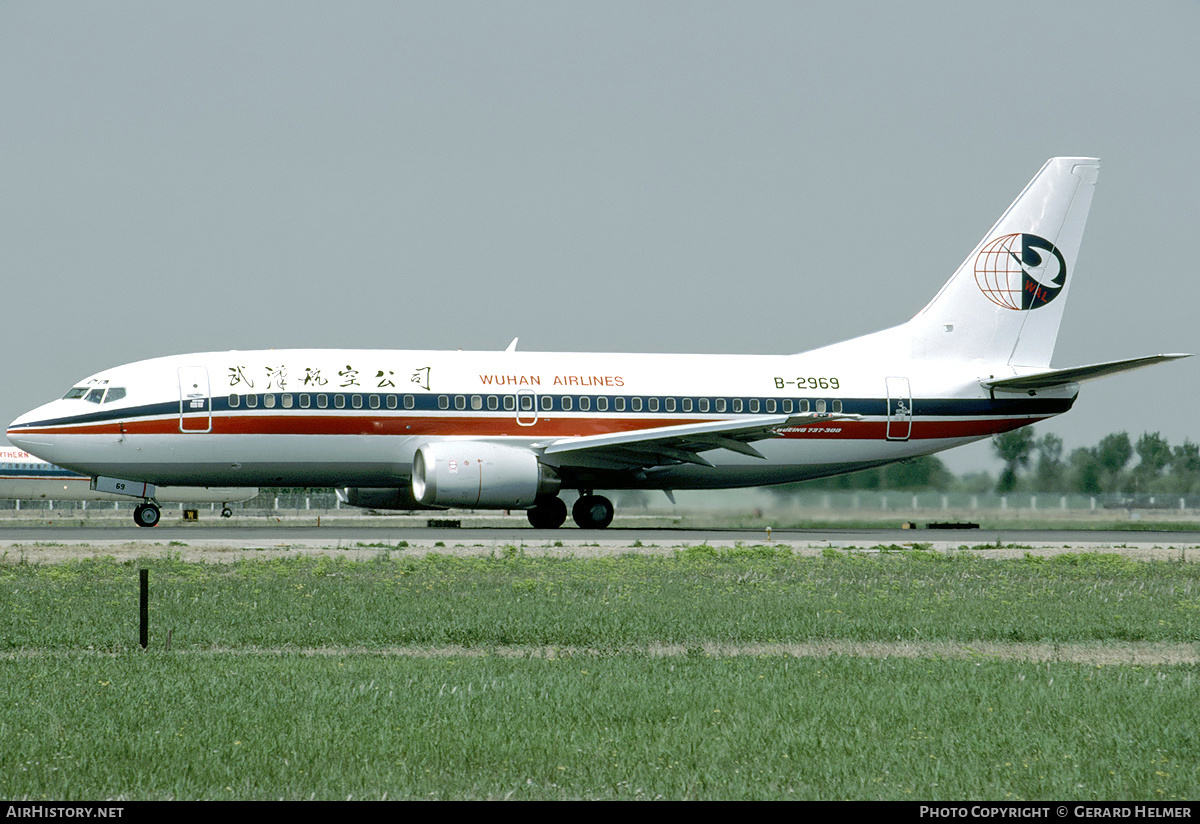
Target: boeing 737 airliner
[510, 430]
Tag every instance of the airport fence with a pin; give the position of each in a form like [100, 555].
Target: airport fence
[264, 502]
[898, 501]
[841, 502]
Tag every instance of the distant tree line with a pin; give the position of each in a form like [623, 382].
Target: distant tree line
[1115, 465]
[1031, 464]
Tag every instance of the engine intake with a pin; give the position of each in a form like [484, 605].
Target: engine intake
[479, 474]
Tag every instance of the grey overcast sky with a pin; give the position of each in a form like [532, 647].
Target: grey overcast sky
[760, 177]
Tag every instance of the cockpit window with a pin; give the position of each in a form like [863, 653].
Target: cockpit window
[95, 394]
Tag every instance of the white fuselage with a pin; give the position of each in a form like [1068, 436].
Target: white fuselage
[356, 417]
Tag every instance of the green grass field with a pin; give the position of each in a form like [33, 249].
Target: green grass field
[924, 676]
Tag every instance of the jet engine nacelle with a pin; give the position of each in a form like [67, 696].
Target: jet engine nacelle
[478, 474]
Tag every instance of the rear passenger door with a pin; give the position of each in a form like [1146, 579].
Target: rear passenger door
[899, 409]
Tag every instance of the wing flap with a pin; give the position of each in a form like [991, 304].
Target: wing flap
[681, 443]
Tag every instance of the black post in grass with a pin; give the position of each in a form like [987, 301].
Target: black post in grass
[144, 633]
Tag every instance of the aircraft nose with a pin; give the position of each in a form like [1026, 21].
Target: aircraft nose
[16, 428]
[23, 431]
[17, 437]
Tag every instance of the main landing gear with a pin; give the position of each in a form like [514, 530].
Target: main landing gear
[147, 514]
[592, 512]
[589, 512]
[548, 513]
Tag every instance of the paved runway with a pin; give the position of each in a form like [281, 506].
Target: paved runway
[349, 536]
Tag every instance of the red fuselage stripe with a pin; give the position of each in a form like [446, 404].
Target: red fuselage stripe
[498, 427]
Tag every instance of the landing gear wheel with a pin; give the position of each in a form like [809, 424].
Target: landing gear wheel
[592, 512]
[146, 515]
[226, 512]
[548, 514]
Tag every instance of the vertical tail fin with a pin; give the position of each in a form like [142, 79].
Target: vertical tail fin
[1005, 302]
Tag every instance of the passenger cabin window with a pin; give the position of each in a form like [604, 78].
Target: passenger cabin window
[235, 401]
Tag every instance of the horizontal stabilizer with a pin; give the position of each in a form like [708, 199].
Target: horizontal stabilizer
[1077, 374]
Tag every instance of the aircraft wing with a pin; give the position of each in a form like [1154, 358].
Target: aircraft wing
[1077, 374]
[682, 443]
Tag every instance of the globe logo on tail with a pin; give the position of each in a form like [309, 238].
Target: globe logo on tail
[1020, 271]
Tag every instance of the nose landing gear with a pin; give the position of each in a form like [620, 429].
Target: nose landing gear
[147, 514]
